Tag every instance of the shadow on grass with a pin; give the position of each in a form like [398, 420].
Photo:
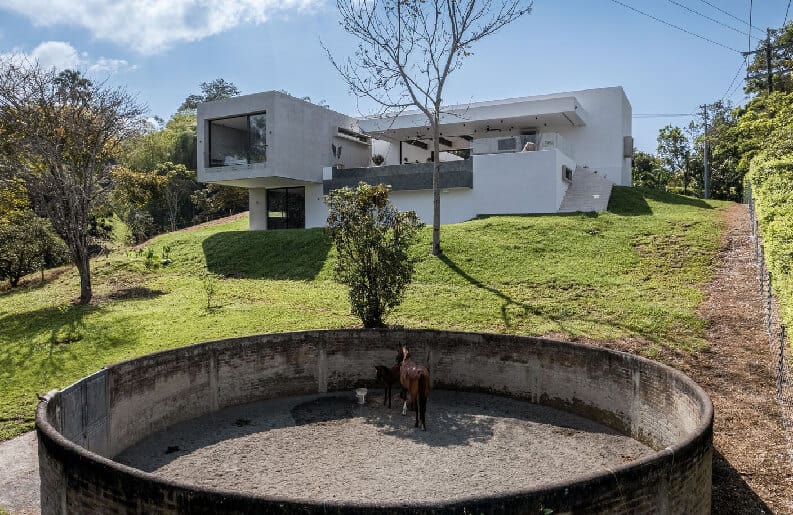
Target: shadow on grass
[45, 339]
[33, 281]
[508, 301]
[297, 254]
[629, 201]
[557, 317]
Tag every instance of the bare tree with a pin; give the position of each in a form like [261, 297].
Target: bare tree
[63, 131]
[408, 48]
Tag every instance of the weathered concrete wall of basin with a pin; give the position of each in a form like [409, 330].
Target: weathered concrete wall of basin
[83, 426]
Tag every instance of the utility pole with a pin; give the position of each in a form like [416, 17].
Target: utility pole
[769, 68]
[706, 177]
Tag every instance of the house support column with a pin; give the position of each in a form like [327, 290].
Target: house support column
[257, 198]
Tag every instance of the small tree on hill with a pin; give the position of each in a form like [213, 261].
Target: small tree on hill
[372, 240]
[27, 243]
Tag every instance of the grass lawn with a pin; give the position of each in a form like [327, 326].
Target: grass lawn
[636, 271]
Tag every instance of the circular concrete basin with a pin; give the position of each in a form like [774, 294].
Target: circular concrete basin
[661, 419]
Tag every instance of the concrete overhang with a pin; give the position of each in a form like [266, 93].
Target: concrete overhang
[257, 182]
[483, 119]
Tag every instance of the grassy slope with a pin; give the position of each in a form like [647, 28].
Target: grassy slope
[636, 271]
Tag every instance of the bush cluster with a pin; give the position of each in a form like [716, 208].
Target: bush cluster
[772, 188]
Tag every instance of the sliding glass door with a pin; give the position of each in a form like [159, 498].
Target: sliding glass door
[286, 208]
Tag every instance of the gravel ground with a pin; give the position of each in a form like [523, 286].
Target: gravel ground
[328, 448]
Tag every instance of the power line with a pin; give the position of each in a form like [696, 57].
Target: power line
[714, 20]
[662, 115]
[786, 11]
[734, 78]
[728, 14]
[659, 20]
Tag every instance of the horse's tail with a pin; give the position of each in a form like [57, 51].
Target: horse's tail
[424, 392]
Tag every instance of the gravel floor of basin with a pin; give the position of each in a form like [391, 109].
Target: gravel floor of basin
[329, 448]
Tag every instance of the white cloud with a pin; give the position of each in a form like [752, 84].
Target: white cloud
[150, 26]
[61, 56]
[109, 66]
[57, 54]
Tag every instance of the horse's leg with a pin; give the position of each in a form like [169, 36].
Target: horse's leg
[422, 400]
[405, 408]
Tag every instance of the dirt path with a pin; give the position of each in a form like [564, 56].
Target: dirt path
[752, 471]
[19, 475]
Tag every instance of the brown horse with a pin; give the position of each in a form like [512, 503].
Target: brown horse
[416, 381]
[387, 377]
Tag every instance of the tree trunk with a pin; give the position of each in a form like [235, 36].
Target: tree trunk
[84, 267]
[436, 189]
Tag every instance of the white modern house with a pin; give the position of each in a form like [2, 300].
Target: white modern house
[541, 154]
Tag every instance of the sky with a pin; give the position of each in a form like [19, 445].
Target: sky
[161, 50]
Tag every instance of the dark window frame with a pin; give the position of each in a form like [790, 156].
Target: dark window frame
[247, 116]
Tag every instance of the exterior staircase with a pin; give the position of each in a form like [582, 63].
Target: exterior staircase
[588, 192]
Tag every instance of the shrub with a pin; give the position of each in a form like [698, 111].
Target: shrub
[28, 244]
[372, 240]
[772, 188]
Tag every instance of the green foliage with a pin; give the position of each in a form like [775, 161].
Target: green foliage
[215, 201]
[28, 244]
[372, 240]
[673, 152]
[781, 61]
[647, 171]
[218, 89]
[13, 195]
[772, 188]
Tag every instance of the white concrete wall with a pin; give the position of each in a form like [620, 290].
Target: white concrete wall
[316, 209]
[456, 204]
[599, 144]
[521, 182]
[257, 203]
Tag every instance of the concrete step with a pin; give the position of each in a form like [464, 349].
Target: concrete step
[588, 192]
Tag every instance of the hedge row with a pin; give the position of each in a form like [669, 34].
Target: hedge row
[772, 189]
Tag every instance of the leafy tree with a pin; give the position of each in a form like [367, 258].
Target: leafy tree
[724, 151]
[13, 195]
[647, 171]
[215, 201]
[673, 151]
[408, 50]
[177, 184]
[218, 89]
[372, 240]
[65, 132]
[781, 63]
[27, 244]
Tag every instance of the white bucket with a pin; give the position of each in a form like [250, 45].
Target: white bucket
[361, 394]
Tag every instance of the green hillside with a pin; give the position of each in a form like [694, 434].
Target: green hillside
[636, 271]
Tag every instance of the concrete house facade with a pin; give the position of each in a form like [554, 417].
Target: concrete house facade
[542, 154]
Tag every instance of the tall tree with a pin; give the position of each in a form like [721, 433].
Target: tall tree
[673, 151]
[781, 62]
[218, 89]
[65, 131]
[647, 171]
[408, 50]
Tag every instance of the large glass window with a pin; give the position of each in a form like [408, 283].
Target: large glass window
[286, 208]
[238, 140]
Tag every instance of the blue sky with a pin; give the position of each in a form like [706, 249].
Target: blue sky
[161, 50]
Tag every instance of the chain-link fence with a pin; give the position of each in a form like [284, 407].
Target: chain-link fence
[775, 327]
